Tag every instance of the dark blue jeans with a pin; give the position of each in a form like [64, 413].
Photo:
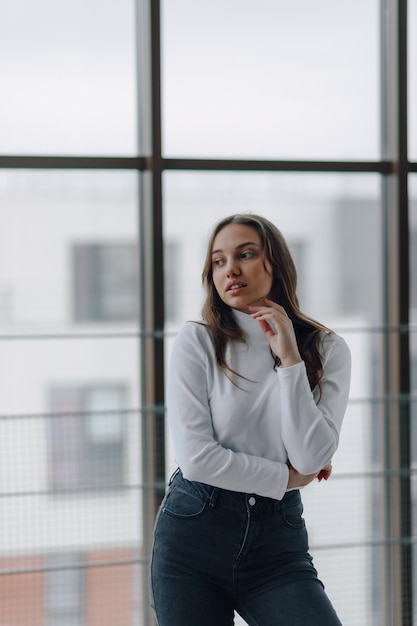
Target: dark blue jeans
[217, 551]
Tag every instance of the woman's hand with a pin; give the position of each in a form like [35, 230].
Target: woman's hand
[325, 472]
[295, 479]
[282, 340]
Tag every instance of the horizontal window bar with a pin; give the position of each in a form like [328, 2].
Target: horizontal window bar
[43, 570]
[142, 163]
[381, 167]
[157, 334]
[81, 491]
[58, 493]
[377, 543]
[145, 560]
[72, 162]
[160, 334]
[160, 409]
[144, 409]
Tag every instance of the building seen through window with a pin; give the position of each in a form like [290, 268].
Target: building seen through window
[87, 437]
[105, 282]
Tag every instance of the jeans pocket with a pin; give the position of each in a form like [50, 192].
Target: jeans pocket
[292, 516]
[183, 504]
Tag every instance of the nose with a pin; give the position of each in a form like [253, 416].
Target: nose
[232, 268]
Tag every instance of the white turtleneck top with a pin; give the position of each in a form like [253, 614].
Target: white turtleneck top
[240, 437]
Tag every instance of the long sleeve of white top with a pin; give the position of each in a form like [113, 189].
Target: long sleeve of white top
[300, 428]
[311, 431]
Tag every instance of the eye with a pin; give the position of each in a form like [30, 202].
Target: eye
[247, 254]
[217, 262]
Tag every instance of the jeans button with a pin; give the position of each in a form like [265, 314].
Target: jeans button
[252, 501]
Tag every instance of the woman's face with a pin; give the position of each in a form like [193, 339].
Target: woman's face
[241, 274]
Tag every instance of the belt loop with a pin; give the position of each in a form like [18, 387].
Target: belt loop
[174, 475]
[277, 507]
[214, 496]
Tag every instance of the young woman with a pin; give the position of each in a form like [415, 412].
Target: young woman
[256, 397]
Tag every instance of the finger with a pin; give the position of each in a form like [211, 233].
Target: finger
[262, 314]
[324, 473]
[266, 328]
[258, 309]
[275, 305]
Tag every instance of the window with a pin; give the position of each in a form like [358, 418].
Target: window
[86, 437]
[105, 282]
[64, 590]
[172, 256]
[118, 152]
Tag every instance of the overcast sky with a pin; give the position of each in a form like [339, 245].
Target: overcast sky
[271, 79]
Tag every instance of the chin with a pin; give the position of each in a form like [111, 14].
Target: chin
[240, 307]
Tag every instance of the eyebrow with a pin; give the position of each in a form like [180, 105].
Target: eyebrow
[241, 245]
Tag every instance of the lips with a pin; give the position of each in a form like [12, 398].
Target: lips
[235, 286]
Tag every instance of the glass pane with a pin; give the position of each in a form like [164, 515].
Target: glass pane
[357, 606]
[53, 597]
[271, 79]
[68, 250]
[70, 417]
[333, 226]
[331, 222]
[68, 78]
[412, 78]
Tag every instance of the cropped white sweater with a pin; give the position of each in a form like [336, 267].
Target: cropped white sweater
[241, 437]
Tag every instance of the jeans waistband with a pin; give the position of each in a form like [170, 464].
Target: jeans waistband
[216, 496]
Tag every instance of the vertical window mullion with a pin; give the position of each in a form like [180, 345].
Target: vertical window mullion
[151, 274]
[396, 378]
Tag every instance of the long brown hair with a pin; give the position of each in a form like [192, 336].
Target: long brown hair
[218, 315]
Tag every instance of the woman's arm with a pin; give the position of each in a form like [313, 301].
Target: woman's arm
[311, 431]
[198, 454]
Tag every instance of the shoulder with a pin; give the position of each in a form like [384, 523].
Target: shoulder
[192, 350]
[193, 329]
[334, 347]
[193, 335]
